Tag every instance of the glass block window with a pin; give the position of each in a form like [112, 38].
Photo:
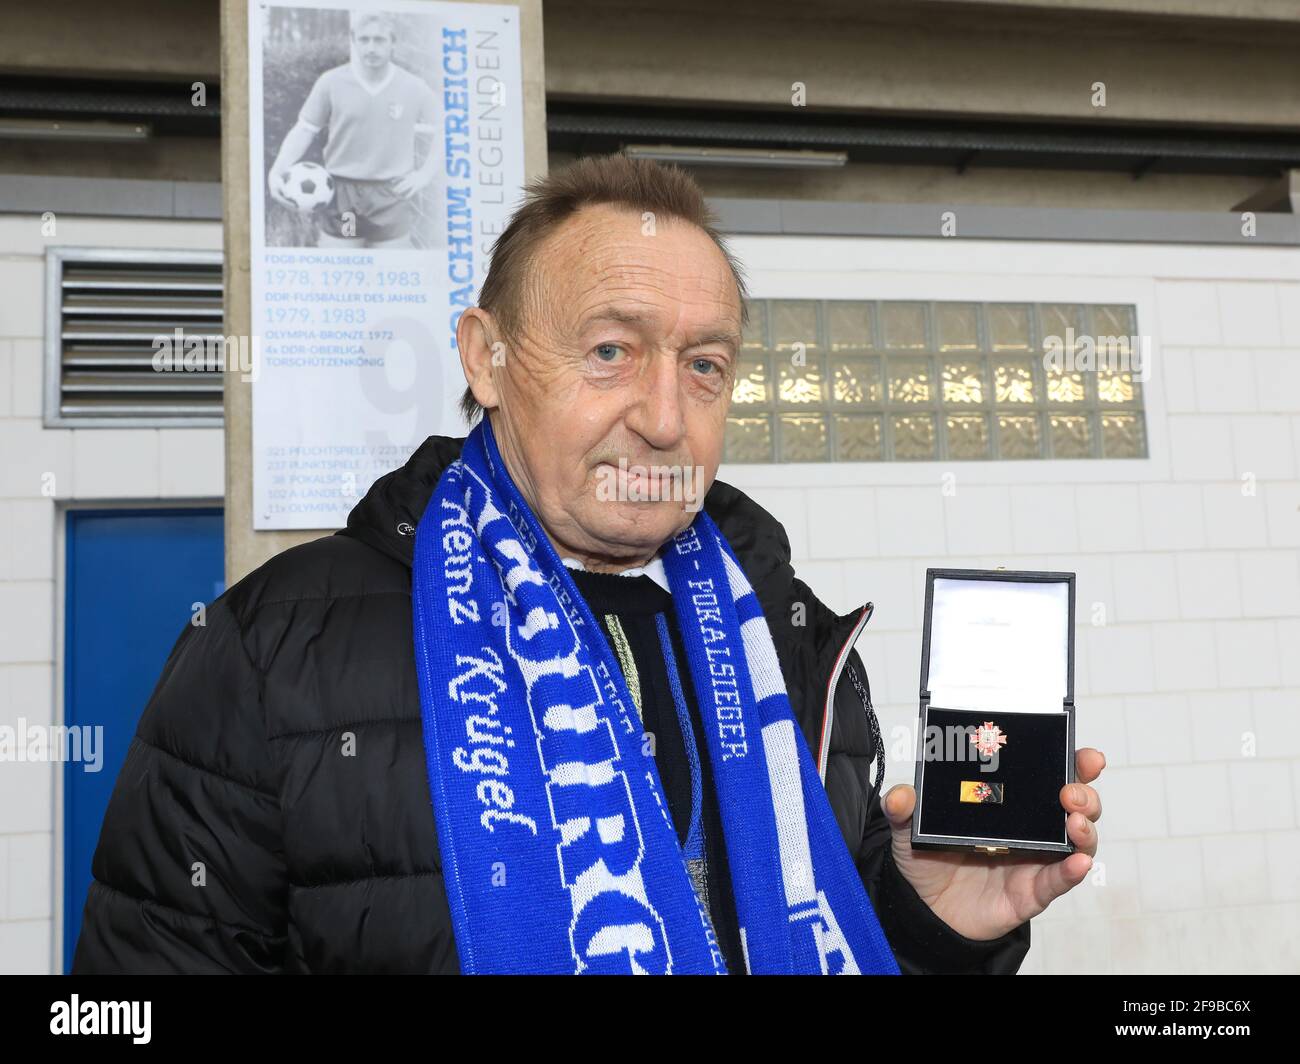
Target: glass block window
[877, 381]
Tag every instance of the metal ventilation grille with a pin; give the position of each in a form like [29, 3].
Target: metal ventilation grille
[115, 312]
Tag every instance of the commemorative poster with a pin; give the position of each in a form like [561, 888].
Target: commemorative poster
[386, 155]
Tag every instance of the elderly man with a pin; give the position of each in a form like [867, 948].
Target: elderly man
[534, 710]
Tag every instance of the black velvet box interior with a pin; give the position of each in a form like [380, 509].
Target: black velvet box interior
[1031, 768]
[998, 647]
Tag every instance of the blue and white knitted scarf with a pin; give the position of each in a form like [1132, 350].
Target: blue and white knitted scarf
[558, 851]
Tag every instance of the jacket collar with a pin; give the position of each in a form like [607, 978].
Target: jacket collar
[386, 517]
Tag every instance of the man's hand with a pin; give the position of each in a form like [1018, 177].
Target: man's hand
[984, 896]
[275, 185]
[416, 181]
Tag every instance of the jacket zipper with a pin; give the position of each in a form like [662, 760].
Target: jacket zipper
[828, 709]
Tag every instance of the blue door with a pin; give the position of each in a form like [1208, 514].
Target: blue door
[132, 577]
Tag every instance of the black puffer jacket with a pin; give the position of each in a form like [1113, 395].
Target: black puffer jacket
[273, 813]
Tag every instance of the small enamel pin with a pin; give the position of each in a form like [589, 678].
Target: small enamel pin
[980, 792]
[988, 738]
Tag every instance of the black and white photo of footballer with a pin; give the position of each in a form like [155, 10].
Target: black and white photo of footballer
[376, 119]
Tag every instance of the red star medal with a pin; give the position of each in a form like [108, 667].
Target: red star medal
[988, 738]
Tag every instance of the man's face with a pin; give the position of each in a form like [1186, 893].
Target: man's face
[627, 357]
[373, 45]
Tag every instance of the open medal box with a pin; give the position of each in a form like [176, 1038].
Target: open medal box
[996, 738]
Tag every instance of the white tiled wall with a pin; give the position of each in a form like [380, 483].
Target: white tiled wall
[1196, 585]
[1189, 591]
[100, 465]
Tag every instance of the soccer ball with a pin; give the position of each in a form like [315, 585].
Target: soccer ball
[307, 186]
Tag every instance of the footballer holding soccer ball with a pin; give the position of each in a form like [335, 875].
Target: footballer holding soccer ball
[371, 111]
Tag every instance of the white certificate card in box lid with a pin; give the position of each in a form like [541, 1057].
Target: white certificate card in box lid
[1000, 645]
